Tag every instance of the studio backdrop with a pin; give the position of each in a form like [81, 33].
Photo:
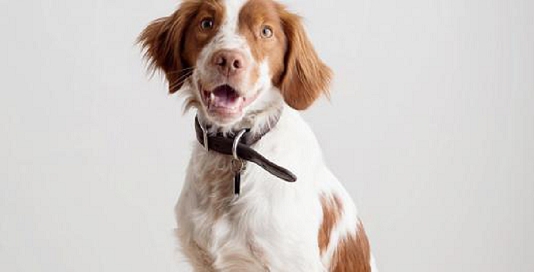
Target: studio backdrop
[430, 127]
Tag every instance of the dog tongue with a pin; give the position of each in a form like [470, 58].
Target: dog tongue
[224, 96]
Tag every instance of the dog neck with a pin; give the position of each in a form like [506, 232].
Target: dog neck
[239, 146]
[257, 122]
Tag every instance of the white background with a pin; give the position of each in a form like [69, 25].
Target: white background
[430, 126]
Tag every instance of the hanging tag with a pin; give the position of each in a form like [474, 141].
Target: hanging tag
[237, 184]
[237, 163]
[237, 166]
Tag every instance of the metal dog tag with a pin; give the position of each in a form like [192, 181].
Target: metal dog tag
[237, 166]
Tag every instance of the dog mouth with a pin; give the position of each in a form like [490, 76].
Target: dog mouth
[224, 101]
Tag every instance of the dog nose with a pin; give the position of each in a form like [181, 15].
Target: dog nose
[229, 62]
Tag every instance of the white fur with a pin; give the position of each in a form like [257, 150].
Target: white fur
[273, 225]
[280, 218]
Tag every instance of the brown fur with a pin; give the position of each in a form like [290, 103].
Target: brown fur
[252, 17]
[166, 47]
[332, 211]
[305, 77]
[296, 69]
[352, 253]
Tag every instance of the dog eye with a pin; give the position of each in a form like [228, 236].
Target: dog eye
[206, 24]
[266, 32]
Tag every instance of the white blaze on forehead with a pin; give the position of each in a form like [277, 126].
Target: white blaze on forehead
[233, 8]
[228, 35]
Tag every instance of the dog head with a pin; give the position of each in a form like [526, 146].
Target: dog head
[235, 56]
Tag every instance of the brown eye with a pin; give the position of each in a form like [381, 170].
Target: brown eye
[206, 24]
[266, 32]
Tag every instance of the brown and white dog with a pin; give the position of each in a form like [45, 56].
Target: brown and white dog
[249, 64]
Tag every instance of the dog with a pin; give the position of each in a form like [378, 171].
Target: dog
[257, 195]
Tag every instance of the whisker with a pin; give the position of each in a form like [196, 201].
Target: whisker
[180, 80]
[185, 75]
[181, 71]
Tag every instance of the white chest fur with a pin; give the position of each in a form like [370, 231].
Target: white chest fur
[273, 224]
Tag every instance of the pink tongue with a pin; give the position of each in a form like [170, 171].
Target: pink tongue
[224, 97]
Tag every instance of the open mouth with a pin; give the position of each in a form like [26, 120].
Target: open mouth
[224, 100]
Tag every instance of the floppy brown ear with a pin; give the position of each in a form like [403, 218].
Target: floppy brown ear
[162, 42]
[306, 77]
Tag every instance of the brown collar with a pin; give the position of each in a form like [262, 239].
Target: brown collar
[224, 145]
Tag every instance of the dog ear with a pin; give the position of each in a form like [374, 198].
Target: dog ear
[306, 77]
[162, 42]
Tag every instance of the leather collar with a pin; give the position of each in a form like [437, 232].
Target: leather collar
[223, 145]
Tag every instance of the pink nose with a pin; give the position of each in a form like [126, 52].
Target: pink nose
[229, 62]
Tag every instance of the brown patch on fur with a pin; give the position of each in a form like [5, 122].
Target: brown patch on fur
[352, 253]
[253, 16]
[305, 77]
[296, 69]
[165, 43]
[332, 210]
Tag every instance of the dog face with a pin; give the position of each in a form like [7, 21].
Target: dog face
[229, 54]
